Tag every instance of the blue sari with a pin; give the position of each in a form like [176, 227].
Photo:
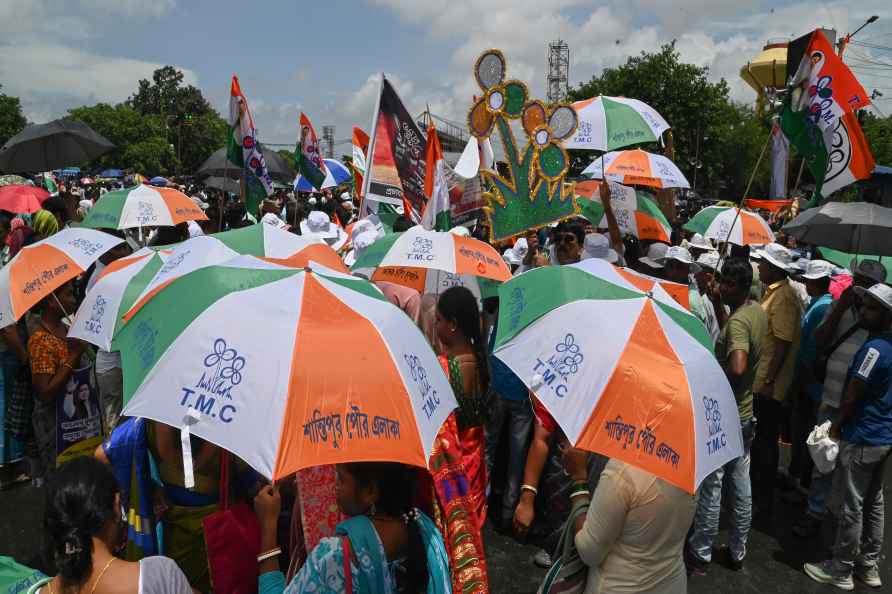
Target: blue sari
[371, 573]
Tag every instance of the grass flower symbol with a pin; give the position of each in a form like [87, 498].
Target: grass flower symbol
[500, 97]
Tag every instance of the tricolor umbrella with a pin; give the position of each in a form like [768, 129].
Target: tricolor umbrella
[266, 241]
[610, 123]
[435, 250]
[643, 282]
[22, 199]
[636, 212]
[626, 373]
[41, 268]
[102, 311]
[637, 167]
[715, 222]
[336, 173]
[436, 282]
[12, 179]
[250, 356]
[142, 206]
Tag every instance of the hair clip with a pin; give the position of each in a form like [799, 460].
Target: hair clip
[71, 549]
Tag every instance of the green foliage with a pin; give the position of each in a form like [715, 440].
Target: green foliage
[287, 155]
[878, 132]
[165, 128]
[11, 119]
[730, 136]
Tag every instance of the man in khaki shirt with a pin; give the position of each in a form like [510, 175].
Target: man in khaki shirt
[774, 374]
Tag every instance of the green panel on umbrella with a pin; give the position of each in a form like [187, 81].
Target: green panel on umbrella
[247, 240]
[844, 259]
[689, 324]
[137, 285]
[625, 126]
[703, 219]
[522, 300]
[373, 254]
[106, 214]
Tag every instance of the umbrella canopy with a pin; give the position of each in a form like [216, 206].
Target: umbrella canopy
[102, 311]
[610, 123]
[9, 180]
[857, 227]
[159, 181]
[143, 206]
[22, 199]
[637, 167]
[336, 173]
[435, 282]
[636, 212]
[223, 183]
[41, 268]
[282, 399]
[135, 178]
[714, 222]
[844, 259]
[643, 282]
[218, 165]
[626, 373]
[112, 173]
[266, 241]
[43, 147]
[436, 250]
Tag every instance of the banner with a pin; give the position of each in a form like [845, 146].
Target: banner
[466, 199]
[308, 160]
[78, 417]
[396, 169]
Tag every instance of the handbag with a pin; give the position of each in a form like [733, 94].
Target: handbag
[20, 406]
[232, 536]
[568, 573]
[819, 369]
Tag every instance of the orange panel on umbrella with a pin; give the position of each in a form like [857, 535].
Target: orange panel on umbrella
[37, 272]
[475, 258]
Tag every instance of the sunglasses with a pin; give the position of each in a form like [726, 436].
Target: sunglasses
[565, 238]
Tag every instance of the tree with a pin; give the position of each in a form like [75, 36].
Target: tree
[878, 132]
[140, 141]
[11, 119]
[707, 127]
[287, 155]
[194, 128]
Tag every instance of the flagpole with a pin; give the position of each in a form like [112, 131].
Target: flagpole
[370, 154]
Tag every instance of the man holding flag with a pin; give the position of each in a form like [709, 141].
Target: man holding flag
[307, 154]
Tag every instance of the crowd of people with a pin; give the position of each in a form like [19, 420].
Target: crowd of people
[800, 340]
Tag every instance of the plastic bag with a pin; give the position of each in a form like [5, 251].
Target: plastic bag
[822, 448]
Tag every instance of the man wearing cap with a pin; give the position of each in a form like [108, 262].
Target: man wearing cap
[677, 267]
[838, 337]
[650, 264]
[597, 246]
[864, 425]
[738, 350]
[774, 375]
[807, 390]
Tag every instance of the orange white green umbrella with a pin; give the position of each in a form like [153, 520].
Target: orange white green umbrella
[142, 206]
[637, 168]
[433, 250]
[102, 311]
[625, 372]
[267, 241]
[636, 213]
[715, 222]
[41, 268]
[255, 352]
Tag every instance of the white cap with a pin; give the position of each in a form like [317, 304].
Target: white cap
[816, 269]
[318, 223]
[679, 254]
[697, 241]
[360, 226]
[273, 221]
[461, 231]
[345, 196]
[597, 246]
[881, 292]
[655, 254]
[776, 255]
[364, 240]
[312, 201]
[709, 260]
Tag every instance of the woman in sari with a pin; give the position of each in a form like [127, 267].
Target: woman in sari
[386, 547]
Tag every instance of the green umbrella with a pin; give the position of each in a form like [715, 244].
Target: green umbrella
[844, 259]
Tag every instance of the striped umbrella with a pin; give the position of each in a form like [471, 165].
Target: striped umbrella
[637, 167]
[435, 250]
[102, 311]
[21, 199]
[266, 241]
[142, 206]
[636, 212]
[336, 174]
[41, 268]
[609, 123]
[714, 222]
[625, 372]
[250, 355]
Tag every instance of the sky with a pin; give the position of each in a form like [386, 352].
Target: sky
[325, 58]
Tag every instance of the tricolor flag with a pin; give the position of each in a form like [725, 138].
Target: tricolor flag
[50, 184]
[819, 119]
[242, 147]
[308, 154]
[360, 148]
[437, 215]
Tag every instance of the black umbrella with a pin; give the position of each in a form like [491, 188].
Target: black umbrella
[218, 165]
[853, 227]
[223, 183]
[60, 143]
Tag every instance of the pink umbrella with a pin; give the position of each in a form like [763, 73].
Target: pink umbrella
[22, 199]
